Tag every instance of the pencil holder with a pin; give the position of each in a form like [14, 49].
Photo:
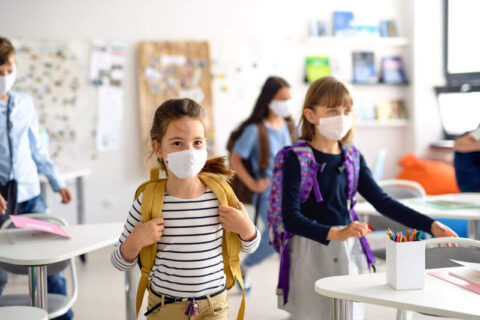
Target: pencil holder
[406, 264]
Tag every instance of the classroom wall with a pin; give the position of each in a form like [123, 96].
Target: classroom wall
[261, 29]
[427, 73]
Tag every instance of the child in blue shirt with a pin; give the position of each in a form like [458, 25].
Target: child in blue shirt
[326, 240]
[22, 156]
[273, 110]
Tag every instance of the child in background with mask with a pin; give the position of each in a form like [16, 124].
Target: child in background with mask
[188, 267]
[326, 240]
[22, 157]
[271, 109]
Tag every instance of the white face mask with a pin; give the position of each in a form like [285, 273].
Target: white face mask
[280, 107]
[334, 128]
[186, 164]
[6, 82]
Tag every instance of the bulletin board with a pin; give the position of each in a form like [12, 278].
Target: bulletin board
[54, 74]
[168, 70]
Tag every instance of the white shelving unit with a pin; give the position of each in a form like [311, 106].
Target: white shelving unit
[394, 123]
[366, 42]
[372, 135]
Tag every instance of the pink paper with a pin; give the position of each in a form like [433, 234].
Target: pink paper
[446, 276]
[35, 224]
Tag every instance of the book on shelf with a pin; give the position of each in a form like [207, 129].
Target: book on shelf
[398, 109]
[390, 110]
[392, 70]
[387, 28]
[363, 65]
[316, 67]
[365, 111]
[342, 24]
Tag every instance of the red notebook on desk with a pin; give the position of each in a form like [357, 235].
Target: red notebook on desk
[456, 280]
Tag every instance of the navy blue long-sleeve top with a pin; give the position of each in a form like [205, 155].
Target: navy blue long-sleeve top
[313, 220]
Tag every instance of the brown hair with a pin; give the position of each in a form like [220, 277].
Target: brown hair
[326, 92]
[175, 109]
[260, 111]
[6, 50]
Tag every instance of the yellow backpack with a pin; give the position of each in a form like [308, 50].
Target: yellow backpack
[152, 204]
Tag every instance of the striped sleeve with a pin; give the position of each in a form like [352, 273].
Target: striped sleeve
[134, 216]
[251, 246]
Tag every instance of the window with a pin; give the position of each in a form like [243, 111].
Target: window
[461, 44]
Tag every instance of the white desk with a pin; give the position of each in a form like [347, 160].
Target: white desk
[38, 254]
[438, 297]
[22, 313]
[472, 214]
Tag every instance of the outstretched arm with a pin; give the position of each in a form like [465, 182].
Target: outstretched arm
[467, 143]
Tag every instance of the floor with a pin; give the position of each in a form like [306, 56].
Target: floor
[101, 294]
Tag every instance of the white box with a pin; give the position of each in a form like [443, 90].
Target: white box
[405, 264]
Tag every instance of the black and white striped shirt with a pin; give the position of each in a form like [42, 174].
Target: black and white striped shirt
[189, 261]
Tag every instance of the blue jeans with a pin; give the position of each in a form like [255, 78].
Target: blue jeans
[55, 282]
[264, 250]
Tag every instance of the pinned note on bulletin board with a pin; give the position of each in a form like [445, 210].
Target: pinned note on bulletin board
[167, 70]
[54, 73]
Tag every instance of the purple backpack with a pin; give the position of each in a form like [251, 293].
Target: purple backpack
[309, 167]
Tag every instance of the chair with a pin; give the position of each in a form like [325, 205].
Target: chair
[397, 189]
[57, 304]
[439, 257]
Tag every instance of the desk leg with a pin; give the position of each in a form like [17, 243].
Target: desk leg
[473, 229]
[37, 280]
[130, 294]
[80, 200]
[80, 207]
[341, 309]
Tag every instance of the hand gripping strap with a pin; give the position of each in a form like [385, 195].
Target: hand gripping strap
[231, 243]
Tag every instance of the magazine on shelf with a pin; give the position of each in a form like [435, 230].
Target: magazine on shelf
[363, 65]
[316, 67]
[393, 71]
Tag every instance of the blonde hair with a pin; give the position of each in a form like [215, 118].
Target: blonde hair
[326, 92]
[175, 109]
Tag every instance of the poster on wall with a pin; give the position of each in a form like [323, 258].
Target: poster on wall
[168, 70]
[107, 68]
[54, 73]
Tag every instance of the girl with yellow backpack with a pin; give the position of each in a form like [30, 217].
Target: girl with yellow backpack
[185, 231]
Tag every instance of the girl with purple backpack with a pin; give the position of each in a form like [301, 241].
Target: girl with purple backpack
[326, 237]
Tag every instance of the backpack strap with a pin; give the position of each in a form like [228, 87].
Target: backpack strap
[308, 171]
[152, 205]
[231, 244]
[351, 157]
[292, 130]
[155, 174]
[352, 165]
[263, 148]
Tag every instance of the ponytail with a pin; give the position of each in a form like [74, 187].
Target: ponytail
[218, 165]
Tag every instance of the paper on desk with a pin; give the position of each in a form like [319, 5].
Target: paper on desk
[475, 266]
[447, 204]
[35, 224]
[30, 236]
